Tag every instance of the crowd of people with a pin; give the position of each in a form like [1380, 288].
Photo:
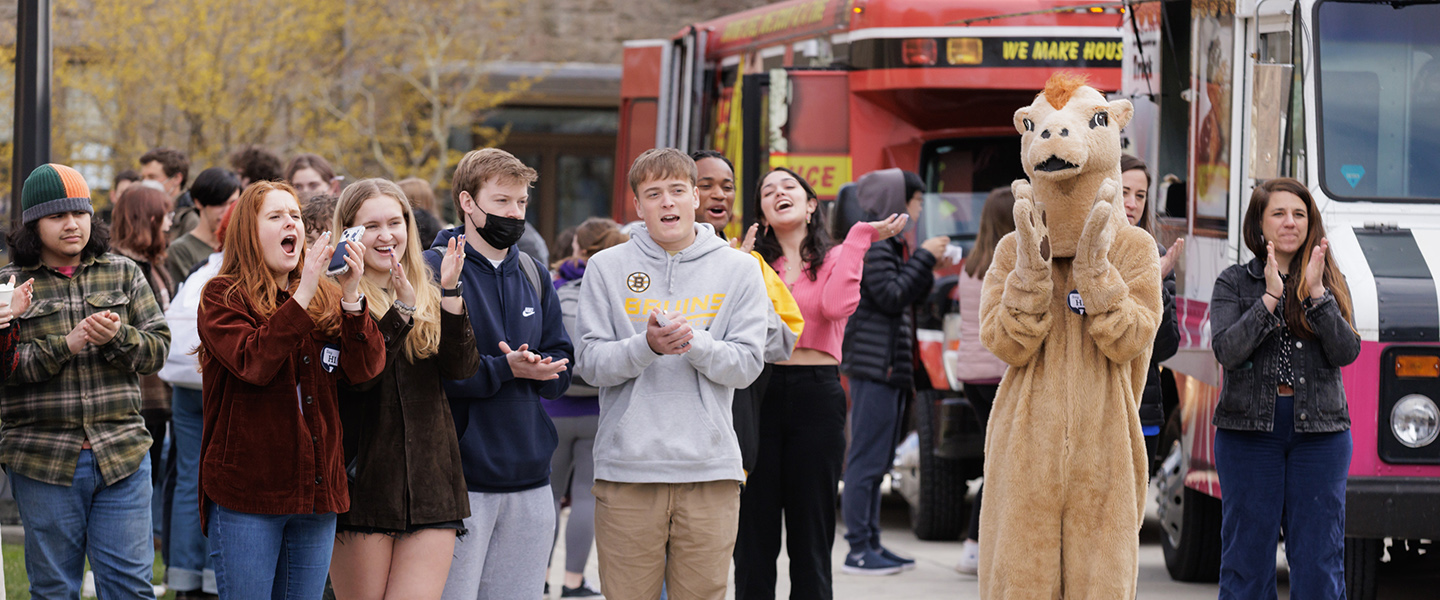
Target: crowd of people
[284, 378]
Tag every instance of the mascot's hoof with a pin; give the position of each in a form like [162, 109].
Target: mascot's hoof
[1110, 192]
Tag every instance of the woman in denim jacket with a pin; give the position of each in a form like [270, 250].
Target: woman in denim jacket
[1282, 330]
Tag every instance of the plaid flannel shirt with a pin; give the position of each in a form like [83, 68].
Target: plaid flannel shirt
[55, 400]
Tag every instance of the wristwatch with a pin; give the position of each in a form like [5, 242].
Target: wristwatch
[450, 292]
[354, 307]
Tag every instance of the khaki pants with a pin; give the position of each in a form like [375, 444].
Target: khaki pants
[682, 534]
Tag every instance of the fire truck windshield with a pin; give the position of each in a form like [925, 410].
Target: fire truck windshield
[959, 173]
[1379, 105]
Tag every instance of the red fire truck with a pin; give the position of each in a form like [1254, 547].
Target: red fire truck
[838, 88]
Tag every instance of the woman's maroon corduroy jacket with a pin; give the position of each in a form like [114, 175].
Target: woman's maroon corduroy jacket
[272, 439]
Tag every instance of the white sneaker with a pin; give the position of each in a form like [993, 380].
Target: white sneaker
[87, 587]
[969, 558]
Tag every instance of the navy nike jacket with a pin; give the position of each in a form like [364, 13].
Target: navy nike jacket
[506, 439]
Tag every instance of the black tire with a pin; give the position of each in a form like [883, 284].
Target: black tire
[1190, 520]
[1362, 568]
[941, 513]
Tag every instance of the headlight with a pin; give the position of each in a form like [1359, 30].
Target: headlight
[1415, 420]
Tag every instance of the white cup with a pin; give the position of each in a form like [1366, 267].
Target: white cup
[6, 290]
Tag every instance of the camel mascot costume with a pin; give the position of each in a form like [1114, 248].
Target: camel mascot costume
[1071, 302]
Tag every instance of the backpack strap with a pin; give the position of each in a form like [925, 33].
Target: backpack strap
[527, 266]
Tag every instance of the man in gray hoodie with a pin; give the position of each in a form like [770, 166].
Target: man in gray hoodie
[669, 324]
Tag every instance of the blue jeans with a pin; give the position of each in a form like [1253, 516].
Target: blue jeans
[875, 410]
[270, 556]
[191, 567]
[110, 524]
[1282, 479]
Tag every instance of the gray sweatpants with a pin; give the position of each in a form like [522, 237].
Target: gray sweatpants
[503, 554]
[573, 468]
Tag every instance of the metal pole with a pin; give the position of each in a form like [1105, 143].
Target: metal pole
[32, 96]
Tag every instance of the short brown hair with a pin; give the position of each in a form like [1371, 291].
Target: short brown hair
[661, 163]
[309, 161]
[130, 175]
[257, 164]
[480, 166]
[171, 160]
[419, 192]
[317, 212]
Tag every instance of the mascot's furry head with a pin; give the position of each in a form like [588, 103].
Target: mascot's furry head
[1069, 145]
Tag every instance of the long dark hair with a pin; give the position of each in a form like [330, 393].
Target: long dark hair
[996, 220]
[25, 242]
[1296, 288]
[817, 237]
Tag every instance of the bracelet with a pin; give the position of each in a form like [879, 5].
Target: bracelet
[404, 309]
[353, 307]
[1277, 298]
[450, 292]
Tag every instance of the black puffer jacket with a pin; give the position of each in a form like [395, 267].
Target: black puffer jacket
[880, 337]
[1167, 343]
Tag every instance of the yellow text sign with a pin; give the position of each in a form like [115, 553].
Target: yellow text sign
[825, 172]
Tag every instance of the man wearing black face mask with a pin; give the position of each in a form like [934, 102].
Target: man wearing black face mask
[506, 438]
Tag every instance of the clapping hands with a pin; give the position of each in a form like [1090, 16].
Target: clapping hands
[19, 302]
[97, 329]
[1315, 269]
[525, 364]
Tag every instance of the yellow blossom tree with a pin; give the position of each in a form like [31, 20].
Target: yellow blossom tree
[414, 75]
[377, 87]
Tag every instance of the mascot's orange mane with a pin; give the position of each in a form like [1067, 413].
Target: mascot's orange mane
[1062, 86]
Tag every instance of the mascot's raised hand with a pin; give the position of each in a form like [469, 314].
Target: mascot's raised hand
[1032, 235]
[1028, 286]
[1092, 256]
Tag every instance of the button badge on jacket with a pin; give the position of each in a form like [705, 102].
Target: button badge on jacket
[330, 357]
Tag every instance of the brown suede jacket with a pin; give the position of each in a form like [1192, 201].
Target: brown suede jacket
[400, 436]
[272, 440]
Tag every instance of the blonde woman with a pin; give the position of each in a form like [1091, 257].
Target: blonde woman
[407, 492]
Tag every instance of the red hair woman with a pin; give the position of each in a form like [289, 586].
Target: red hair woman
[277, 337]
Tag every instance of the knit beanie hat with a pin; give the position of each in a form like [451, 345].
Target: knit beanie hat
[54, 189]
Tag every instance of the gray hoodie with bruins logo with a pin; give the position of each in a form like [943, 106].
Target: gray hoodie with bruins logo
[667, 419]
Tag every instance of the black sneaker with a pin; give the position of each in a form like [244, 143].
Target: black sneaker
[547, 589]
[583, 591]
[869, 562]
[906, 564]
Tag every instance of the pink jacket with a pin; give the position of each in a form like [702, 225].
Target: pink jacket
[974, 364]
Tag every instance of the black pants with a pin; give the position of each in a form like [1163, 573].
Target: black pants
[802, 446]
[982, 398]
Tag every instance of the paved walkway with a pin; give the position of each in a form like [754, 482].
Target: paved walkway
[934, 577]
